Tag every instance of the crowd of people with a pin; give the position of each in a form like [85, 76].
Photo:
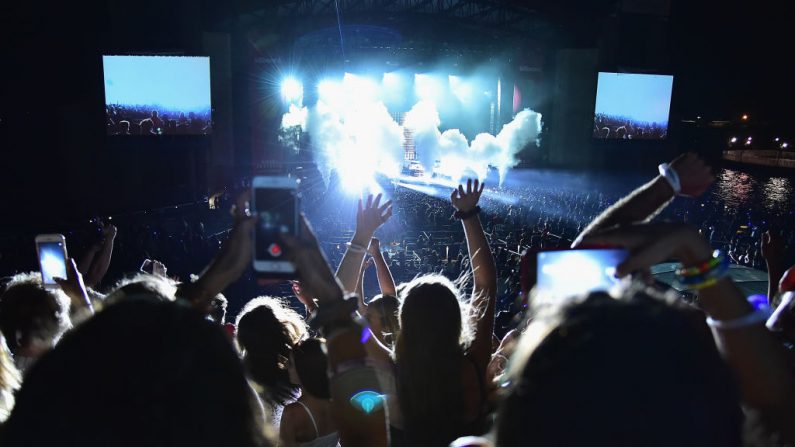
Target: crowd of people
[441, 342]
[625, 128]
[150, 120]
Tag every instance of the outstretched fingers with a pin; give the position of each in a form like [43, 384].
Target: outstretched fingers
[387, 213]
[377, 201]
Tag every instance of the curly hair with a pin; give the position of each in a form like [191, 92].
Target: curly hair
[267, 332]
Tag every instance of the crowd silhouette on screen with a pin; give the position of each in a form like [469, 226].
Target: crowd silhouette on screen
[411, 321]
[148, 120]
[625, 128]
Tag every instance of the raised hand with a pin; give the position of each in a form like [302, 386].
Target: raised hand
[650, 244]
[159, 269]
[371, 215]
[74, 287]
[230, 262]
[772, 247]
[305, 299]
[695, 176]
[467, 200]
[109, 231]
[317, 279]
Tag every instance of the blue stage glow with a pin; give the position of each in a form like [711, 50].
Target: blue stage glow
[170, 83]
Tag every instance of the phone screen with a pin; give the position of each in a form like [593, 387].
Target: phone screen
[52, 258]
[276, 215]
[569, 273]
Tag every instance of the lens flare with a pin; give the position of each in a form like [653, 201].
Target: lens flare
[292, 90]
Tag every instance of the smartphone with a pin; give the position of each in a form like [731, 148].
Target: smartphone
[275, 203]
[567, 273]
[52, 258]
[147, 266]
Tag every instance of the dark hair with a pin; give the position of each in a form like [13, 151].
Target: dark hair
[311, 365]
[631, 371]
[140, 372]
[29, 312]
[267, 331]
[429, 355]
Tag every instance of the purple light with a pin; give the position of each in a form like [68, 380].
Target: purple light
[366, 334]
[759, 301]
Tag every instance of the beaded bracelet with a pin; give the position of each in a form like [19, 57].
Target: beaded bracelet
[716, 259]
[706, 274]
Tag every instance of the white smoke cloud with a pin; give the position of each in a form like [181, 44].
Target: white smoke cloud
[295, 116]
[358, 137]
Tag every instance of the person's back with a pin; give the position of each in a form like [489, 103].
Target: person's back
[308, 422]
[440, 388]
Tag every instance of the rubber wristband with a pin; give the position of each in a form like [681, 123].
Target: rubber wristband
[704, 267]
[755, 317]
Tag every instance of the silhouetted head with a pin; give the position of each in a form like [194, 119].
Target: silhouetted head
[32, 318]
[267, 332]
[632, 371]
[140, 372]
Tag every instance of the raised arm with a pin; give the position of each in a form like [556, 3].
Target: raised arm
[385, 281]
[360, 287]
[349, 371]
[369, 217]
[757, 358]
[229, 264]
[650, 199]
[484, 270]
[773, 252]
[101, 260]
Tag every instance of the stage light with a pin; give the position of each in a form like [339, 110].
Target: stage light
[733, 140]
[460, 88]
[428, 87]
[292, 90]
